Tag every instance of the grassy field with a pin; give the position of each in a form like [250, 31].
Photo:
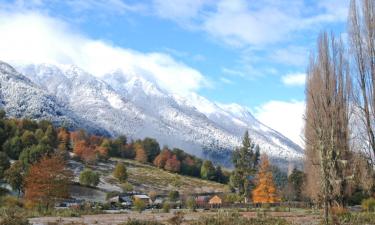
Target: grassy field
[146, 178]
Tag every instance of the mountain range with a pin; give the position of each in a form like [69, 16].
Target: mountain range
[132, 105]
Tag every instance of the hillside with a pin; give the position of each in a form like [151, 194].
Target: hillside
[133, 105]
[143, 177]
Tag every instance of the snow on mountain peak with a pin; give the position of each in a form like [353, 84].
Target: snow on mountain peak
[133, 105]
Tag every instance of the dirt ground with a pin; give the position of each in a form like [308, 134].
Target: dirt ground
[299, 218]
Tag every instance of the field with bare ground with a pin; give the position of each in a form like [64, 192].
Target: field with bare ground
[300, 218]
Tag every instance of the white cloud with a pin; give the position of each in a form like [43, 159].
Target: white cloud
[294, 79]
[226, 80]
[35, 38]
[240, 22]
[284, 117]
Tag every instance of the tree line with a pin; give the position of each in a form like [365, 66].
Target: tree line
[340, 113]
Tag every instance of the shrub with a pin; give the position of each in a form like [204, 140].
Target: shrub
[139, 205]
[120, 172]
[10, 202]
[191, 203]
[173, 195]
[166, 207]
[126, 187]
[13, 216]
[369, 205]
[89, 178]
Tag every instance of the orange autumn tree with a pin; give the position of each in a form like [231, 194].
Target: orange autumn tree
[140, 153]
[47, 181]
[265, 192]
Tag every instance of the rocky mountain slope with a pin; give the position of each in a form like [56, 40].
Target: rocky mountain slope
[135, 106]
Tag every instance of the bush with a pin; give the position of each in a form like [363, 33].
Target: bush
[13, 216]
[139, 205]
[10, 202]
[166, 207]
[173, 195]
[126, 187]
[120, 172]
[191, 204]
[369, 205]
[89, 178]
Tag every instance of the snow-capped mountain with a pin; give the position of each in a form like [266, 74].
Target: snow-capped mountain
[135, 106]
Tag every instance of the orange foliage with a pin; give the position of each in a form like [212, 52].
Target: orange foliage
[47, 181]
[140, 153]
[95, 140]
[162, 158]
[173, 164]
[265, 192]
[63, 138]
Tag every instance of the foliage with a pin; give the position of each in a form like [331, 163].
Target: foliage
[47, 181]
[166, 207]
[368, 205]
[140, 153]
[173, 164]
[120, 172]
[162, 158]
[4, 164]
[265, 192]
[296, 179]
[13, 216]
[126, 187]
[173, 195]
[208, 171]
[14, 176]
[89, 178]
[191, 203]
[152, 148]
[139, 205]
[245, 161]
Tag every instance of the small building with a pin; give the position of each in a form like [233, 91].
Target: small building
[202, 201]
[216, 201]
[144, 198]
[124, 200]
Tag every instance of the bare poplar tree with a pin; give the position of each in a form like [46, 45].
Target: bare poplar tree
[362, 43]
[327, 121]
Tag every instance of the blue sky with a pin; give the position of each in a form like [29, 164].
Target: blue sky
[250, 52]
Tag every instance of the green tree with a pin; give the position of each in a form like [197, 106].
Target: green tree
[245, 161]
[173, 195]
[296, 179]
[152, 148]
[34, 153]
[89, 178]
[208, 171]
[120, 172]
[28, 139]
[14, 176]
[13, 147]
[191, 203]
[4, 164]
